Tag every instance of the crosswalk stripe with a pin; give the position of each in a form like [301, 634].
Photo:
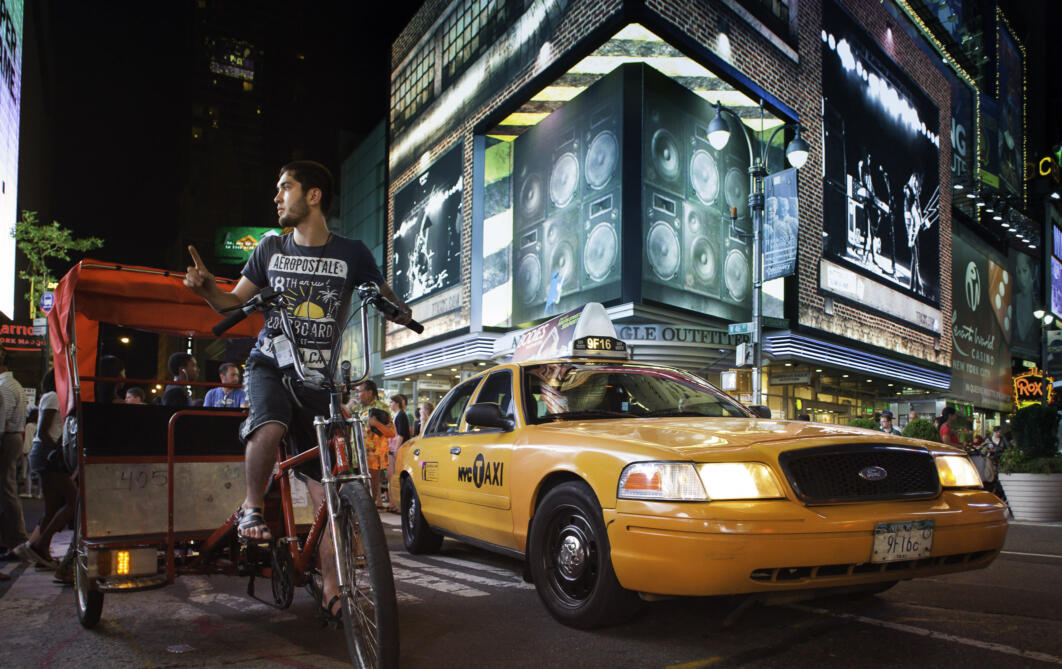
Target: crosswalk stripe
[427, 581]
[471, 578]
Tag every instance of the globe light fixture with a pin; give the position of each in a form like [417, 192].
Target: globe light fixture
[718, 130]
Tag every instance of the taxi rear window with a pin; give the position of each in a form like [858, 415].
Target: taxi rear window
[568, 391]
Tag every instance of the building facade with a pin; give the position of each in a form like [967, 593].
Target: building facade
[547, 153]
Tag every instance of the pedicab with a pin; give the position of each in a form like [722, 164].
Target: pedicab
[159, 486]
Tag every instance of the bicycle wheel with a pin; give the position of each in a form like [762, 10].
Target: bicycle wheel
[370, 611]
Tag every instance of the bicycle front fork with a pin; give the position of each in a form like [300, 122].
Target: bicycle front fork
[346, 437]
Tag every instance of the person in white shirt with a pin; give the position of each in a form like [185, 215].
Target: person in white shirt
[13, 424]
[60, 493]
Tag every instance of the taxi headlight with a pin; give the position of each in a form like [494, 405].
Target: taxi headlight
[676, 481]
[739, 480]
[956, 471]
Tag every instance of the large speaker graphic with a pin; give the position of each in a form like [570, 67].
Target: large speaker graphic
[696, 255]
[566, 214]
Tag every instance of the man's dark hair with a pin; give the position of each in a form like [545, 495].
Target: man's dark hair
[224, 368]
[48, 382]
[371, 385]
[312, 174]
[401, 399]
[137, 391]
[947, 413]
[177, 361]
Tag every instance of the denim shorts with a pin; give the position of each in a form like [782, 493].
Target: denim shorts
[270, 401]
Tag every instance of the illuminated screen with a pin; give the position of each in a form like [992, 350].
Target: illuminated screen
[426, 249]
[882, 157]
[10, 97]
[1054, 221]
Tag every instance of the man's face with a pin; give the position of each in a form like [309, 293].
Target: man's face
[366, 395]
[292, 207]
[132, 398]
[191, 370]
[230, 375]
[886, 423]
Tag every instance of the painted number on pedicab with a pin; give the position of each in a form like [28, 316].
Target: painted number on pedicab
[139, 479]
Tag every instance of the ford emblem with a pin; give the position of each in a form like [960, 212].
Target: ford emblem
[873, 473]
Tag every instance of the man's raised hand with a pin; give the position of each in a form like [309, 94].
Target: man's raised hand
[198, 278]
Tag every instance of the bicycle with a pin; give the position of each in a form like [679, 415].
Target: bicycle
[369, 609]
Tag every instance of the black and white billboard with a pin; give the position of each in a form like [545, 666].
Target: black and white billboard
[882, 195]
[426, 248]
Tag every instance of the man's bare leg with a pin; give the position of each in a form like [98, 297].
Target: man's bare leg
[259, 458]
[326, 554]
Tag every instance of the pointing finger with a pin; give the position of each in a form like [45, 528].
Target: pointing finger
[195, 257]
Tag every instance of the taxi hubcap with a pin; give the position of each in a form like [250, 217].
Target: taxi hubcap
[572, 553]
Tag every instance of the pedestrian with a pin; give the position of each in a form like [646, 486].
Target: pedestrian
[12, 427]
[224, 396]
[309, 261]
[403, 433]
[948, 418]
[423, 414]
[996, 443]
[886, 423]
[134, 395]
[378, 428]
[912, 415]
[183, 367]
[60, 493]
[109, 366]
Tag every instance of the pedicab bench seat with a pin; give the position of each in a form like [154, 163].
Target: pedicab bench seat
[127, 474]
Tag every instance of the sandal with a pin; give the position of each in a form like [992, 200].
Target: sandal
[324, 613]
[249, 519]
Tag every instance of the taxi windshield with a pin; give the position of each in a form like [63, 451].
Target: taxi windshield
[575, 391]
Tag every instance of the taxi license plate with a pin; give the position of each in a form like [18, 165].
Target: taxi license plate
[902, 541]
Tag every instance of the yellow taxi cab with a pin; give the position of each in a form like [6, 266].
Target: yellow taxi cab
[619, 481]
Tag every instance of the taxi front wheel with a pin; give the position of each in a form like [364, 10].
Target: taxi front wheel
[571, 562]
[417, 537]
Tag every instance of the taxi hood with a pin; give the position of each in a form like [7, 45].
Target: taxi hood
[707, 438]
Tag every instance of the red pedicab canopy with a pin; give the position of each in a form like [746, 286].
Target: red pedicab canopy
[140, 298]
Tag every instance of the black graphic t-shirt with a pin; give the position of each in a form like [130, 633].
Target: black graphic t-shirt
[317, 283]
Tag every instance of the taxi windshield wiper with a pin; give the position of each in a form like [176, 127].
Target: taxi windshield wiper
[659, 413]
[589, 413]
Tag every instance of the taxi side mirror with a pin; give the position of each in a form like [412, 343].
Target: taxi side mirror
[760, 410]
[488, 414]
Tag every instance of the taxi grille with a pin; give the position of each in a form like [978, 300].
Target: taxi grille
[833, 474]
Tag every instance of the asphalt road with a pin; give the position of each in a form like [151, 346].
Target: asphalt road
[469, 608]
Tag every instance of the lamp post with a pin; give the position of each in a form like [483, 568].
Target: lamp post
[797, 153]
[1045, 320]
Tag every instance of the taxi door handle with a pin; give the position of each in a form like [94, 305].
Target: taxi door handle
[416, 451]
[456, 450]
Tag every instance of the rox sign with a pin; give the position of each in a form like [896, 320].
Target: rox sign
[1029, 388]
[482, 472]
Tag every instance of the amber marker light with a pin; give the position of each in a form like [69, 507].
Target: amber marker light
[121, 563]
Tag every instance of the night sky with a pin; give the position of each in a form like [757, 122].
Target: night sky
[108, 89]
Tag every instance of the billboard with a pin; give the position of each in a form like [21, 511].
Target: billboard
[497, 304]
[1054, 224]
[426, 248]
[1011, 85]
[781, 223]
[981, 320]
[567, 198]
[1025, 299]
[882, 196]
[235, 245]
[10, 106]
[696, 223]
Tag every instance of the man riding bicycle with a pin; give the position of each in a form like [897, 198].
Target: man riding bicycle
[317, 272]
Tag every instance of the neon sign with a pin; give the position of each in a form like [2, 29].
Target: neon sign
[1029, 388]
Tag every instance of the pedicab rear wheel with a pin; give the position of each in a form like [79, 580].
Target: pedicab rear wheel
[89, 598]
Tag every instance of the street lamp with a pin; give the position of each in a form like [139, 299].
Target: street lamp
[1045, 319]
[797, 153]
